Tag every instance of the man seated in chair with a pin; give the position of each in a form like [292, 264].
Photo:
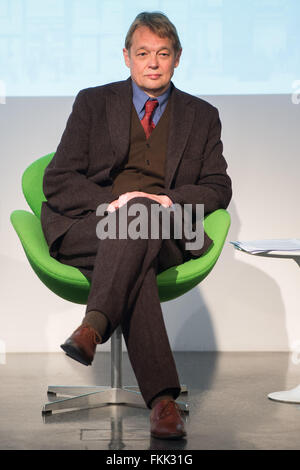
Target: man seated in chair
[135, 141]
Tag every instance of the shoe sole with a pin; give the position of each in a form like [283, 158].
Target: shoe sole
[75, 354]
[171, 436]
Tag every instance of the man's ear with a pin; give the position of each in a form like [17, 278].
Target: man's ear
[177, 58]
[126, 55]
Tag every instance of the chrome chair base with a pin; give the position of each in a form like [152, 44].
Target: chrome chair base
[83, 397]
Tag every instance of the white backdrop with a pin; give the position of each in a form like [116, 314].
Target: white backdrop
[246, 304]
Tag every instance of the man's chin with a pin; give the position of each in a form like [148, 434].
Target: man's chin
[154, 88]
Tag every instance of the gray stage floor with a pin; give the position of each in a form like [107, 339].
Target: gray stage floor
[228, 403]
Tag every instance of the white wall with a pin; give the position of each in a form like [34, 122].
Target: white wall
[247, 303]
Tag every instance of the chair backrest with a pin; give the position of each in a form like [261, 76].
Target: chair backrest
[32, 183]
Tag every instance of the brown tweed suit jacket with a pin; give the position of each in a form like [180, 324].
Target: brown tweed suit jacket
[96, 142]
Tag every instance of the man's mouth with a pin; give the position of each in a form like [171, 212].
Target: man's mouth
[153, 76]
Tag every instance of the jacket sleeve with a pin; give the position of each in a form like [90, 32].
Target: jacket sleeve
[67, 189]
[213, 187]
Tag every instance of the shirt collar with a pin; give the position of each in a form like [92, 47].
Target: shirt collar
[140, 97]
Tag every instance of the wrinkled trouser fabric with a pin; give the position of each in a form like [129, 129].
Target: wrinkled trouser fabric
[124, 287]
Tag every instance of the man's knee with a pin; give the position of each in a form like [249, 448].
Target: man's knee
[139, 218]
[146, 217]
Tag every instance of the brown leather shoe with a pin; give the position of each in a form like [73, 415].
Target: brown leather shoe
[81, 345]
[166, 421]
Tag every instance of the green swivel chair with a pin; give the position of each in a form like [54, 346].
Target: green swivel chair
[70, 284]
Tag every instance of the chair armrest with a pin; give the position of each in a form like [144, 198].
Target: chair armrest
[57, 276]
[216, 226]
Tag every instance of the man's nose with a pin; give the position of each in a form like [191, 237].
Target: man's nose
[153, 61]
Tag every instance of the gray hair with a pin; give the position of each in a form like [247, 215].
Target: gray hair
[159, 24]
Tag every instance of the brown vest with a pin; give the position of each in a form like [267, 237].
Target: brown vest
[144, 168]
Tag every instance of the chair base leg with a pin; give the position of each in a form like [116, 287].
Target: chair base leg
[84, 397]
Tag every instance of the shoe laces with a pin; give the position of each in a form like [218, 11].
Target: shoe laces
[168, 409]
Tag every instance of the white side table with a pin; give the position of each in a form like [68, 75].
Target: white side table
[293, 395]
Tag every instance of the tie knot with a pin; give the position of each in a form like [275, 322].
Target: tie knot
[150, 106]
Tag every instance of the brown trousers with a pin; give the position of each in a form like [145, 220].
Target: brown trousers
[124, 287]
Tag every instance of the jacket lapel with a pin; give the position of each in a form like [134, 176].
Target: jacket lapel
[181, 120]
[118, 109]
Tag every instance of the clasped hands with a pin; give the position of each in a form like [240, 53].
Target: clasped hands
[165, 201]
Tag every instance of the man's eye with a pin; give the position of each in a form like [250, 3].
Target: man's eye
[142, 54]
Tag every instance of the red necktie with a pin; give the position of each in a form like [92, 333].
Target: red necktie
[146, 122]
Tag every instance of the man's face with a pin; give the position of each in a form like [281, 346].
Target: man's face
[151, 60]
